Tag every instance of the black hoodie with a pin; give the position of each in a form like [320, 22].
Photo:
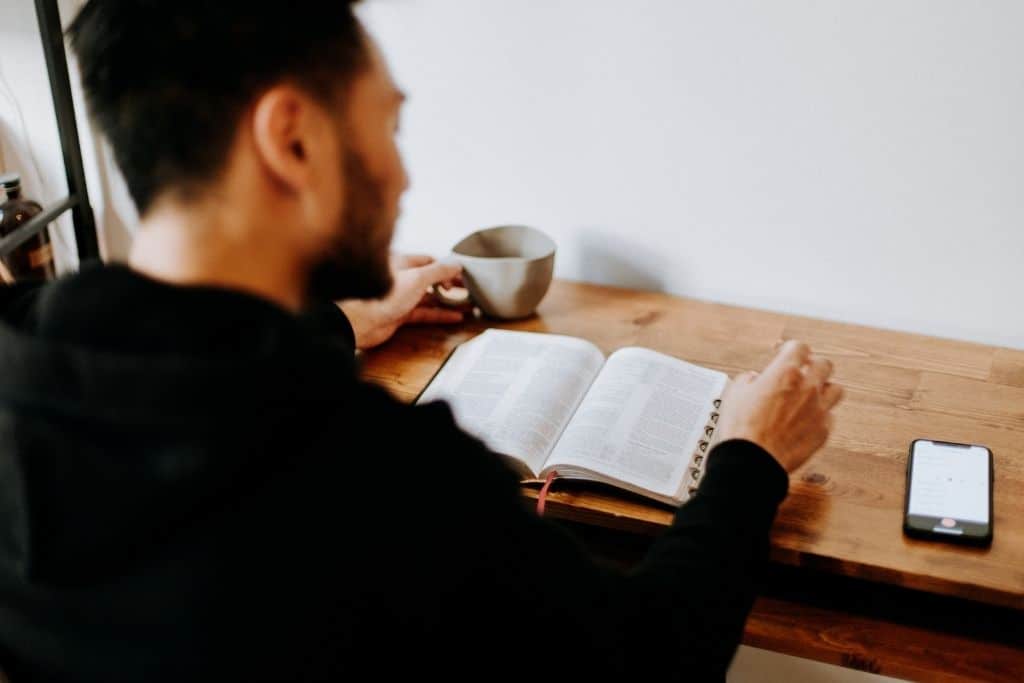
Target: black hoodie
[195, 485]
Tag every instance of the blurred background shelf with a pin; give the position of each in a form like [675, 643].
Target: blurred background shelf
[77, 199]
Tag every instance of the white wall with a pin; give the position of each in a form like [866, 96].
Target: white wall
[860, 160]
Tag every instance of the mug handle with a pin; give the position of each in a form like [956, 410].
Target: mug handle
[440, 296]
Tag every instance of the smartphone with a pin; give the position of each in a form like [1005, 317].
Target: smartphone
[949, 492]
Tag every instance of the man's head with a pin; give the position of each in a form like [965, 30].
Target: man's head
[283, 114]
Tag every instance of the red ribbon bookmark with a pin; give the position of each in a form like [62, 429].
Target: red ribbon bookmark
[542, 497]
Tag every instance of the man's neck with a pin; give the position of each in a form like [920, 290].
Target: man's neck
[185, 247]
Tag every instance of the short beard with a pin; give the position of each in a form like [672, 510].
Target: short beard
[356, 265]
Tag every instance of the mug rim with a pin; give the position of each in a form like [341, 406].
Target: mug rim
[550, 252]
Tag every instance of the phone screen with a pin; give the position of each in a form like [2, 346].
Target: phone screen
[950, 481]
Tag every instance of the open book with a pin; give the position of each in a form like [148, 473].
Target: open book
[640, 420]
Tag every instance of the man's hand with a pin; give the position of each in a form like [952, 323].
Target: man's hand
[375, 320]
[787, 409]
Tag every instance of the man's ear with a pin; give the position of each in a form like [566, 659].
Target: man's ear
[281, 129]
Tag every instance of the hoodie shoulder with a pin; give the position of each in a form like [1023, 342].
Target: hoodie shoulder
[17, 301]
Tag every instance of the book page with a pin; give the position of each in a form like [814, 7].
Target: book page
[641, 421]
[517, 390]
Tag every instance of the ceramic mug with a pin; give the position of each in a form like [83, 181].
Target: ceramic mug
[507, 270]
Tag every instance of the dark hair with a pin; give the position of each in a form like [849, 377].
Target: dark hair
[168, 80]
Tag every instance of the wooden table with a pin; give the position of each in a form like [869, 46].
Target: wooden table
[838, 536]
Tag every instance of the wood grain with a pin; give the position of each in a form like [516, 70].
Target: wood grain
[880, 647]
[1008, 368]
[844, 512]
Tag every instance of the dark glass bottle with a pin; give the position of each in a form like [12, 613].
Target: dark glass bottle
[32, 260]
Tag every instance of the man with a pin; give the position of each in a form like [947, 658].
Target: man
[195, 484]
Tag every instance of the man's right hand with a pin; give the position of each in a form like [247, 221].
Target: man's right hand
[787, 409]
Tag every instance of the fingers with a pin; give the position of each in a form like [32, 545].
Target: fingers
[404, 261]
[746, 377]
[430, 315]
[437, 271]
[795, 359]
[795, 365]
[793, 354]
[453, 283]
[818, 370]
[831, 395]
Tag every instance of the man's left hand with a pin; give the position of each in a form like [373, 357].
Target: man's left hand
[375, 320]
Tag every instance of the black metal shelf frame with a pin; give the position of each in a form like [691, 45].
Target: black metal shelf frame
[77, 200]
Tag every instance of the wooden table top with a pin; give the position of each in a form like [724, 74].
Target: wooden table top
[844, 512]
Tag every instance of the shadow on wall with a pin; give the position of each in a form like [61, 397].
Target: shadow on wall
[610, 260]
